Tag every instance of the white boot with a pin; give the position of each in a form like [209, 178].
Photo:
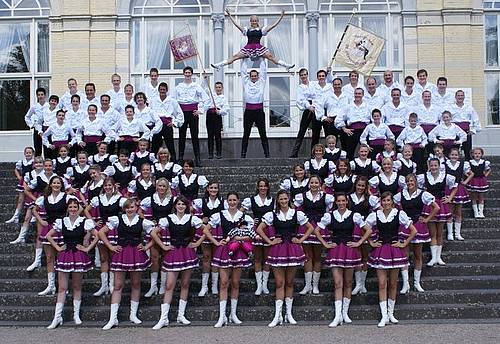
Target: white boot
[38, 260]
[58, 320]
[288, 66]
[218, 65]
[406, 283]
[234, 307]
[278, 316]
[113, 317]
[438, 255]
[76, 312]
[345, 309]
[163, 282]
[476, 210]
[204, 284]
[480, 210]
[383, 311]
[390, 311]
[215, 283]
[222, 314]
[111, 282]
[181, 319]
[134, 306]
[315, 282]
[15, 217]
[357, 278]
[307, 283]
[21, 238]
[104, 289]
[97, 259]
[364, 273]
[258, 279]
[449, 226]
[165, 308]
[433, 260]
[51, 287]
[458, 228]
[289, 317]
[416, 281]
[153, 290]
[265, 279]
[338, 314]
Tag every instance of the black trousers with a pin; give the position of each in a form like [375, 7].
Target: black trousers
[419, 158]
[214, 129]
[167, 134]
[349, 143]
[37, 142]
[130, 146]
[331, 129]
[467, 146]
[305, 121]
[191, 121]
[259, 118]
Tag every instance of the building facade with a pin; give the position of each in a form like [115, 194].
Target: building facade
[45, 42]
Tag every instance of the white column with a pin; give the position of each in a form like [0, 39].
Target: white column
[218, 26]
[312, 32]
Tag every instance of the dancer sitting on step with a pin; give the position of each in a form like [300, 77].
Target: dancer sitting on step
[253, 49]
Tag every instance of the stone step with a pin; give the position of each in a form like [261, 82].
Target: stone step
[261, 313]
[470, 296]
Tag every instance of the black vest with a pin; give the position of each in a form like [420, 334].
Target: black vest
[314, 210]
[345, 186]
[56, 210]
[341, 231]
[180, 235]
[61, 167]
[227, 225]
[207, 212]
[129, 235]
[437, 190]
[479, 169]
[294, 191]
[413, 207]
[458, 173]
[79, 179]
[106, 211]
[103, 163]
[190, 191]
[287, 229]
[321, 172]
[393, 187]
[94, 192]
[74, 237]
[405, 170]
[122, 177]
[259, 211]
[138, 162]
[366, 171]
[160, 211]
[142, 191]
[254, 36]
[362, 207]
[388, 232]
[167, 173]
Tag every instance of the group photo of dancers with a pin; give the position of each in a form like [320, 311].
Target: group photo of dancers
[106, 188]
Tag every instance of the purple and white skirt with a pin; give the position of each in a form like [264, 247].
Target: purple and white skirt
[461, 197]
[312, 239]
[478, 184]
[388, 257]
[343, 256]
[422, 235]
[286, 254]
[443, 215]
[73, 260]
[20, 185]
[269, 231]
[58, 238]
[130, 259]
[222, 259]
[216, 233]
[254, 50]
[179, 259]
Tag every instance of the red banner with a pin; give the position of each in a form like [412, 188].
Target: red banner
[183, 48]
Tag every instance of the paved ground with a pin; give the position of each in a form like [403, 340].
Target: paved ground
[407, 333]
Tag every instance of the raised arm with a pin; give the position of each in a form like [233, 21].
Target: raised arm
[238, 26]
[273, 25]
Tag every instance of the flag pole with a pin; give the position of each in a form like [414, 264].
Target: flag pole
[202, 67]
[341, 38]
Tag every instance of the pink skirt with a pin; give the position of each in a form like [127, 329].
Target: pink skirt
[20, 185]
[269, 231]
[254, 50]
[388, 257]
[216, 233]
[286, 254]
[343, 256]
[422, 235]
[57, 235]
[73, 260]
[478, 184]
[130, 259]
[313, 239]
[29, 203]
[222, 259]
[443, 214]
[461, 197]
[178, 259]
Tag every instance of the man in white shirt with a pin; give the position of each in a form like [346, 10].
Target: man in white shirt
[253, 89]
[333, 105]
[320, 90]
[396, 113]
[443, 98]
[422, 84]
[65, 102]
[151, 87]
[354, 83]
[90, 97]
[374, 98]
[109, 116]
[214, 121]
[116, 93]
[388, 85]
[304, 102]
[466, 117]
[34, 116]
[408, 96]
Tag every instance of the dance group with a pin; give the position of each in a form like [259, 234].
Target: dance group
[100, 185]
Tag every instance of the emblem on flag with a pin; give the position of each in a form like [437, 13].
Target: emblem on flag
[359, 49]
[183, 48]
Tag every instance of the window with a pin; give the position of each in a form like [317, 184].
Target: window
[491, 65]
[24, 57]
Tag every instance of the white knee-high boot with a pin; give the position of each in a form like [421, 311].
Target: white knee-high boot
[134, 306]
[104, 289]
[438, 255]
[288, 66]
[258, 279]
[315, 282]
[38, 260]
[449, 226]
[111, 282]
[345, 309]
[234, 317]
[163, 282]
[215, 283]
[58, 320]
[153, 290]
[181, 319]
[222, 314]
[76, 312]
[307, 283]
[51, 287]
[265, 279]
[458, 229]
[476, 210]
[406, 282]
[165, 308]
[390, 311]
[416, 280]
[383, 311]
[204, 284]
[480, 210]
[21, 238]
[433, 260]
[289, 316]
[113, 317]
[338, 314]
[278, 314]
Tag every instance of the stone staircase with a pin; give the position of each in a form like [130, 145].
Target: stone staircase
[468, 287]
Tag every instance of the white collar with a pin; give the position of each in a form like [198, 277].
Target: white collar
[407, 196]
[310, 197]
[157, 200]
[388, 180]
[185, 218]
[259, 202]
[81, 170]
[314, 163]
[476, 163]
[381, 216]
[71, 226]
[212, 204]
[339, 217]
[189, 181]
[361, 163]
[99, 158]
[53, 200]
[237, 216]
[105, 201]
[433, 180]
[128, 222]
[355, 199]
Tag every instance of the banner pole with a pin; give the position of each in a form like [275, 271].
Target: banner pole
[341, 38]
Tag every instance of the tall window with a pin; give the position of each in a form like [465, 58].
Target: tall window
[24, 57]
[382, 17]
[492, 66]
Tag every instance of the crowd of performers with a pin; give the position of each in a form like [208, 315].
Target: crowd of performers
[143, 212]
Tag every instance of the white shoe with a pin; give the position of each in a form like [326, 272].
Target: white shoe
[288, 316]
[338, 314]
[345, 309]
[406, 283]
[233, 317]
[111, 282]
[134, 306]
[215, 283]
[163, 282]
[475, 209]
[383, 310]
[104, 285]
[58, 320]
[165, 307]
[51, 287]
[278, 316]
[265, 279]
[97, 259]
[390, 311]
[364, 273]
[258, 279]
[315, 282]
[438, 258]
[14, 218]
[222, 314]
[181, 319]
[76, 312]
[204, 284]
[38, 260]
[113, 320]
[449, 226]
[416, 281]
[433, 260]
[21, 238]
[153, 290]
[458, 229]
[307, 283]
[480, 208]
[357, 278]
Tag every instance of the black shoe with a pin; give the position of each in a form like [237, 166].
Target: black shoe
[197, 161]
[243, 155]
[218, 156]
[294, 155]
[210, 155]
